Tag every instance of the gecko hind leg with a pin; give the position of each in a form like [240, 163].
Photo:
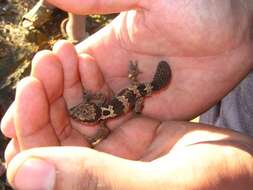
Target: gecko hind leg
[133, 72]
[138, 106]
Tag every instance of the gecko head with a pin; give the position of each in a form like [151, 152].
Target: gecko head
[85, 112]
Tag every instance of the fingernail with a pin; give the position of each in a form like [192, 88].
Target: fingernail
[35, 174]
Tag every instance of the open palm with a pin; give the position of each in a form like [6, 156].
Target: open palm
[207, 60]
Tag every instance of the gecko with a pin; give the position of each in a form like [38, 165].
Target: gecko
[91, 111]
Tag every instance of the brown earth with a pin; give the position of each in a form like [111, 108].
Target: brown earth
[18, 45]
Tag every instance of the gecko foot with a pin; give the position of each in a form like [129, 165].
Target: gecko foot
[87, 96]
[133, 72]
[97, 98]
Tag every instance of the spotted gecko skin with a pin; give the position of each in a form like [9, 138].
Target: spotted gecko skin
[127, 99]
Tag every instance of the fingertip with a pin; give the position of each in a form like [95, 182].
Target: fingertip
[91, 76]
[40, 55]
[7, 124]
[72, 89]
[47, 68]
[11, 150]
[25, 83]
[95, 7]
[68, 58]
[42, 172]
[62, 44]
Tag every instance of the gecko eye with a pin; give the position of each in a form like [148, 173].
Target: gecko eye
[106, 112]
[85, 111]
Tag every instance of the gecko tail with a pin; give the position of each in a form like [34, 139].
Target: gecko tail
[162, 76]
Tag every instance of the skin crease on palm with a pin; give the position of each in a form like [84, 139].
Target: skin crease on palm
[209, 47]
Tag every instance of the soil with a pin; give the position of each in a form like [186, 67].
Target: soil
[18, 45]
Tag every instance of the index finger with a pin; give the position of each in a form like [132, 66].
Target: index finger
[95, 6]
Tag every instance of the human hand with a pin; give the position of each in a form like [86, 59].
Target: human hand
[41, 119]
[163, 151]
[170, 155]
[207, 43]
[208, 57]
[43, 99]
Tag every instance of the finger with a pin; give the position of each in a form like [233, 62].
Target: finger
[46, 67]
[7, 125]
[90, 7]
[174, 131]
[131, 139]
[93, 81]
[90, 74]
[32, 122]
[49, 70]
[182, 134]
[88, 170]
[72, 89]
[73, 94]
[11, 150]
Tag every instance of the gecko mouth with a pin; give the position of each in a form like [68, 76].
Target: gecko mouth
[86, 123]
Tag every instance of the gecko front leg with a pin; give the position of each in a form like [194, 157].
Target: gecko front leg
[87, 96]
[97, 98]
[102, 133]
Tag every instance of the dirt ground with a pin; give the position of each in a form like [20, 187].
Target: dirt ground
[18, 45]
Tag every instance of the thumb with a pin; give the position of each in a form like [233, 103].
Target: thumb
[94, 6]
[75, 168]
